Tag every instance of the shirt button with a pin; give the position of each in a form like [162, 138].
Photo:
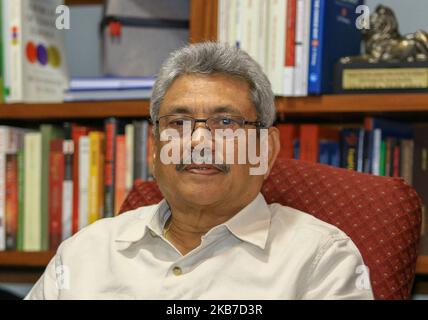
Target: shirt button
[177, 271]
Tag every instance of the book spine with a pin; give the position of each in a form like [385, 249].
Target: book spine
[48, 132]
[3, 142]
[360, 153]
[303, 15]
[67, 187]
[11, 201]
[382, 166]
[120, 171]
[96, 185]
[83, 181]
[290, 48]
[288, 134]
[316, 47]
[56, 180]
[32, 190]
[349, 148]
[129, 133]
[276, 44]
[396, 159]
[309, 143]
[21, 195]
[262, 10]
[377, 140]
[110, 128]
[407, 158]
[16, 51]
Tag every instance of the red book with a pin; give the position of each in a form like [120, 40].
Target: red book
[396, 161]
[11, 205]
[290, 47]
[56, 178]
[120, 173]
[310, 137]
[288, 134]
[76, 132]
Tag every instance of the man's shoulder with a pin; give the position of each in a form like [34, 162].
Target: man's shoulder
[292, 219]
[107, 230]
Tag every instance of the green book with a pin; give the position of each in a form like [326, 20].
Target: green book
[1, 53]
[49, 132]
[21, 175]
[382, 158]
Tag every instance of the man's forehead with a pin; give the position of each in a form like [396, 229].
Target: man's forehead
[203, 109]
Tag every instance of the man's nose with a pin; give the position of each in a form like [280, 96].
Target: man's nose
[200, 133]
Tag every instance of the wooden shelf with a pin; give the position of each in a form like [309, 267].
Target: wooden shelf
[328, 104]
[355, 103]
[75, 110]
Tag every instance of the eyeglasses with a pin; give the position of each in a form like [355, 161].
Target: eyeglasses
[225, 122]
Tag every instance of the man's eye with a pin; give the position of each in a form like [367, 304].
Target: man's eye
[226, 121]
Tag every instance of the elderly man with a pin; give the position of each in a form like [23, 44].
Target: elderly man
[213, 236]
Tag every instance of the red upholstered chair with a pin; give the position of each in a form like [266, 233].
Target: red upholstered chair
[381, 215]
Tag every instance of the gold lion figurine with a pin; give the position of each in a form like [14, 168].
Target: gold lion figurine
[384, 43]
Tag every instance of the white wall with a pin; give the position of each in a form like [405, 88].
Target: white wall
[412, 14]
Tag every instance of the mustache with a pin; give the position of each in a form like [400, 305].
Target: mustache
[206, 158]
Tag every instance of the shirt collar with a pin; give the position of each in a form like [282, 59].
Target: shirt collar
[251, 224]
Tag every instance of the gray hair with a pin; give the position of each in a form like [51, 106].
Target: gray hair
[214, 57]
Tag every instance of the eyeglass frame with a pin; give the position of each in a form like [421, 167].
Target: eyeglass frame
[257, 124]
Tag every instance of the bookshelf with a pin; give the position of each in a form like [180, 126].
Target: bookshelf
[26, 267]
[327, 104]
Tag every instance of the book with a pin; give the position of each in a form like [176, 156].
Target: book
[83, 182]
[49, 132]
[420, 167]
[120, 172]
[33, 229]
[130, 135]
[276, 44]
[288, 135]
[107, 95]
[37, 52]
[68, 210]
[77, 131]
[56, 179]
[333, 35]
[290, 49]
[21, 195]
[351, 144]
[112, 128]
[11, 205]
[110, 83]
[303, 20]
[96, 181]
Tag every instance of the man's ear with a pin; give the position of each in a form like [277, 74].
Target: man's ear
[274, 147]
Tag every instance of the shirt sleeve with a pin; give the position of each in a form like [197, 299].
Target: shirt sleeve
[46, 288]
[339, 273]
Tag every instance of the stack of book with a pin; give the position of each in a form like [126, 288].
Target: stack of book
[56, 180]
[296, 42]
[109, 88]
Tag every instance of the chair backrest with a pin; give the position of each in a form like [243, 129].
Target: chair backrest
[381, 215]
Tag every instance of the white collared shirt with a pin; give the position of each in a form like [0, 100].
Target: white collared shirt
[263, 252]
